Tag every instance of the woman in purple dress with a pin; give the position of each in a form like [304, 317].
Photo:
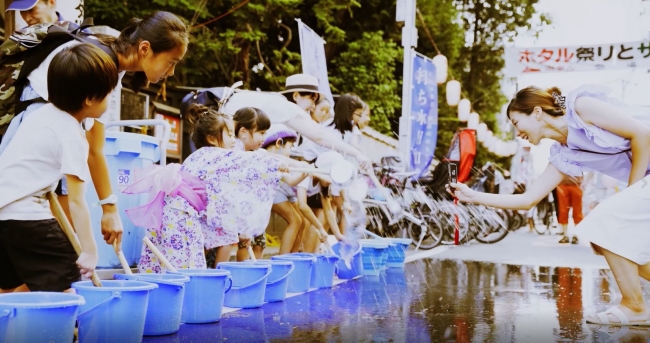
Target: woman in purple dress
[592, 133]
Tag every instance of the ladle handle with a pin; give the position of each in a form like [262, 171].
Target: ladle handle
[158, 254]
[60, 216]
[307, 170]
[120, 256]
[251, 253]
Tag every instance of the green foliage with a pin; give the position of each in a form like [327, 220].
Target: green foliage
[362, 70]
[363, 47]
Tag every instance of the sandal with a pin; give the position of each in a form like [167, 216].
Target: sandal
[616, 312]
[574, 240]
[564, 240]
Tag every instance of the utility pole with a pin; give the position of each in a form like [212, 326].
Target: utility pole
[406, 13]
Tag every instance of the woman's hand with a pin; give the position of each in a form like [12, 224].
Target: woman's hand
[461, 192]
[340, 238]
[283, 168]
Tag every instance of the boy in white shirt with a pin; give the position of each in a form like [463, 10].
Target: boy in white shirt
[34, 251]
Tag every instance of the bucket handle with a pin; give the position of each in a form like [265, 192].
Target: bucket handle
[284, 277]
[229, 286]
[180, 285]
[7, 313]
[236, 288]
[115, 295]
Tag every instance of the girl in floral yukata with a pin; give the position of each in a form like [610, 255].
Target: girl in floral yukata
[225, 190]
[250, 127]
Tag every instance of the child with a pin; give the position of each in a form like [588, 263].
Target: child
[321, 112]
[237, 193]
[315, 205]
[350, 113]
[279, 140]
[34, 251]
[250, 126]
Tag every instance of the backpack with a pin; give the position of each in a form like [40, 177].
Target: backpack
[24, 51]
[209, 97]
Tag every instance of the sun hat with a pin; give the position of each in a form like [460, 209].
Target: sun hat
[301, 83]
[278, 131]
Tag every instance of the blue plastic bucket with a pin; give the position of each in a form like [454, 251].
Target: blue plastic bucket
[277, 282]
[374, 255]
[300, 278]
[38, 316]
[356, 266]
[165, 302]
[248, 284]
[115, 312]
[322, 272]
[397, 252]
[125, 152]
[204, 295]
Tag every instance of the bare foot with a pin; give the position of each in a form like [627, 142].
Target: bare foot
[632, 316]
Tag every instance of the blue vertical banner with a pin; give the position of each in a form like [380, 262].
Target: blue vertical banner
[424, 114]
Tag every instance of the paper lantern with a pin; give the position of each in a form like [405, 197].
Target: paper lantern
[487, 141]
[473, 120]
[488, 135]
[492, 147]
[441, 64]
[464, 106]
[481, 129]
[453, 92]
[480, 135]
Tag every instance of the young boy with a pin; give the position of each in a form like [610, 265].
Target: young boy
[34, 252]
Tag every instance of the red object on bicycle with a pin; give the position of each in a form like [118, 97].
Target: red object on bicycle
[462, 151]
[456, 225]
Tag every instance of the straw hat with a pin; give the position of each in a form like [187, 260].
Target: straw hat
[301, 83]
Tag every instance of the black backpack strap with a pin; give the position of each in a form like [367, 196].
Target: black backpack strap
[88, 22]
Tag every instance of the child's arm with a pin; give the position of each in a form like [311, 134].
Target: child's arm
[81, 222]
[331, 217]
[111, 222]
[346, 205]
[307, 212]
[293, 179]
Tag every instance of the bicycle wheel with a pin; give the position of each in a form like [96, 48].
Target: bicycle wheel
[491, 231]
[430, 238]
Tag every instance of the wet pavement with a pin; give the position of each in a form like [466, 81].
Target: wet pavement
[433, 300]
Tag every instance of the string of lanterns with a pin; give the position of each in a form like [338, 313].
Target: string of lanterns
[465, 114]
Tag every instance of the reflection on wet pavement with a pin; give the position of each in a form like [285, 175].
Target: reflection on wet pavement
[434, 301]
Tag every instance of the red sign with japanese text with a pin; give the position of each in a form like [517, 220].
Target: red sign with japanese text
[174, 142]
[577, 58]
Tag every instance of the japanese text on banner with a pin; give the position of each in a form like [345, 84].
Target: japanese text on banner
[424, 114]
[578, 58]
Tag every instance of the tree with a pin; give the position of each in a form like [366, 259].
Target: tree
[490, 24]
[362, 70]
